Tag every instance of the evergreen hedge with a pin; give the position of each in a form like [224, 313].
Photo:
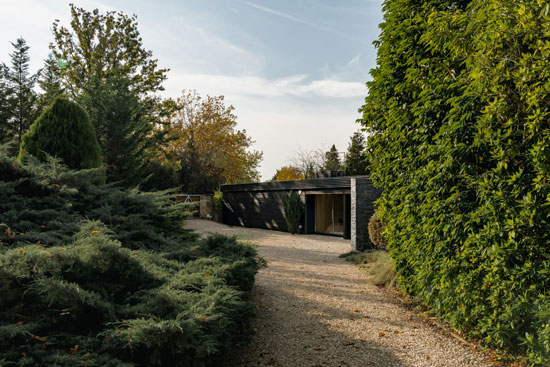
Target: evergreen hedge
[63, 130]
[458, 113]
[97, 276]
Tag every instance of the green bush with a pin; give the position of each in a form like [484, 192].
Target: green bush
[294, 209]
[63, 130]
[376, 232]
[459, 141]
[93, 275]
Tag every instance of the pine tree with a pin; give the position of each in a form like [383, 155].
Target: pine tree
[355, 159]
[6, 93]
[64, 131]
[50, 83]
[332, 160]
[22, 102]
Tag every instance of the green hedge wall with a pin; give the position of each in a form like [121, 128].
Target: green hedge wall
[458, 111]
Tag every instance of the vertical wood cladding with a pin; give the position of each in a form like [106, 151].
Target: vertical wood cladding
[256, 209]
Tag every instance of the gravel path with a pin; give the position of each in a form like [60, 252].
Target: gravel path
[315, 310]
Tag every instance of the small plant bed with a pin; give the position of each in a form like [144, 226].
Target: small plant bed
[92, 275]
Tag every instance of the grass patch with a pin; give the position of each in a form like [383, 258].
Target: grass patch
[377, 263]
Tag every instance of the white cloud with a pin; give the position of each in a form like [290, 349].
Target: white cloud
[294, 85]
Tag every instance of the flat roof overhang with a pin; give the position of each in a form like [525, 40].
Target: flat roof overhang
[316, 184]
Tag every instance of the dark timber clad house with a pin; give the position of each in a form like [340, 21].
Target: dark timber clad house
[340, 206]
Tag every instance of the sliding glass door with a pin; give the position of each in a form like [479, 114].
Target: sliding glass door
[329, 213]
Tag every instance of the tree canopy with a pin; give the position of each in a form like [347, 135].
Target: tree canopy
[207, 146]
[115, 79]
[287, 173]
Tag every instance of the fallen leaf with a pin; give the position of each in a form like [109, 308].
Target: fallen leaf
[74, 349]
[19, 323]
[396, 332]
[356, 310]
[23, 252]
[40, 338]
[381, 333]
[95, 232]
[203, 317]
[206, 275]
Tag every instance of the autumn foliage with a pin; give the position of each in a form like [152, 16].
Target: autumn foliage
[288, 173]
[207, 147]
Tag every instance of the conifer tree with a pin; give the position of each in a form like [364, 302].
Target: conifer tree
[50, 83]
[64, 131]
[5, 104]
[355, 159]
[332, 160]
[22, 102]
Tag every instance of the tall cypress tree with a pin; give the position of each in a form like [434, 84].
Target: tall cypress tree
[23, 100]
[356, 163]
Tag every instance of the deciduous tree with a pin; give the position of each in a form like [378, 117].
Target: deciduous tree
[208, 145]
[287, 173]
[116, 79]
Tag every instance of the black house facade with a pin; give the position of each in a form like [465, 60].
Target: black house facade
[339, 206]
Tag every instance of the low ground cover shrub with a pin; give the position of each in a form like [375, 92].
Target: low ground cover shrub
[96, 276]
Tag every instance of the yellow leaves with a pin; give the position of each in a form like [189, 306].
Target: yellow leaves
[203, 317]
[95, 232]
[74, 349]
[22, 252]
[288, 173]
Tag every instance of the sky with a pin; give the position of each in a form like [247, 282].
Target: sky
[295, 70]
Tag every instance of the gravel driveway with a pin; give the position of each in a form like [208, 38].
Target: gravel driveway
[315, 309]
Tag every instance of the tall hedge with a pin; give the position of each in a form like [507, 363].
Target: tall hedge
[458, 113]
[64, 131]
